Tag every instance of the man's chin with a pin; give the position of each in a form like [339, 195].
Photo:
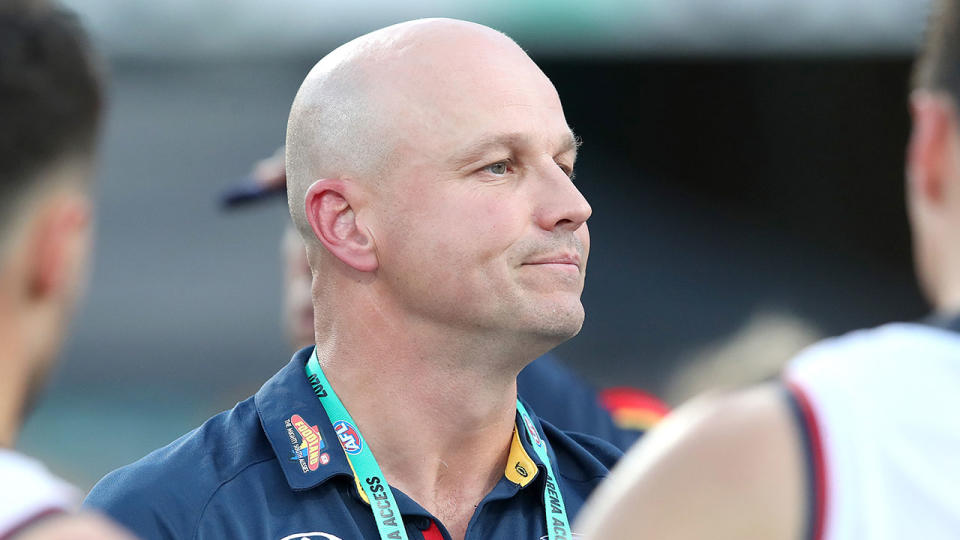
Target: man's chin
[560, 324]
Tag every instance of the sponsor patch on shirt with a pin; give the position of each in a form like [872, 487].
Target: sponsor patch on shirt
[521, 469]
[307, 444]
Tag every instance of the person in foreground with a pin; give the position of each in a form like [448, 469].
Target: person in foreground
[50, 102]
[429, 171]
[861, 439]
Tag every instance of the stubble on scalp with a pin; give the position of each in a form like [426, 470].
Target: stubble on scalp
[351, 117]
[335, 130]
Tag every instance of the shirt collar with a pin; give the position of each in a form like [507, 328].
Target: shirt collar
[298, 428]
[521, 468]
[307, 447]
[524, 436]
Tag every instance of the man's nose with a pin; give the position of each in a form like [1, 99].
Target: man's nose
[560, 203]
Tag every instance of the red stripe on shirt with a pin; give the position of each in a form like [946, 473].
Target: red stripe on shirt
[433, 533]
[817, 456]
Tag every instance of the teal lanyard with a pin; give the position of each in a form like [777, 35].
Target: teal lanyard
[558, 526]
[370, 477]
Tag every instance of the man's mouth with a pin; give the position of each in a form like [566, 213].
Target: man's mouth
[568, 262]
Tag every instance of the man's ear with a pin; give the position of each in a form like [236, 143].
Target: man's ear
[330, 212]
[928, 153]
[60, 244]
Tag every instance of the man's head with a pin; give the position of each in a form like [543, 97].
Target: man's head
[933, 159]
[50, 103]
[429, 172]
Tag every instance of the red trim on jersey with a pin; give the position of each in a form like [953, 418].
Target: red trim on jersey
[818, 458]
[433, 533]
[632, 409]
[622, 397]
[33, 519]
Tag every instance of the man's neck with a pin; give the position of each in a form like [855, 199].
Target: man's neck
[440, 430]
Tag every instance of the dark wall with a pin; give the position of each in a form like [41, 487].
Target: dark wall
[726, 186]
[813, 147]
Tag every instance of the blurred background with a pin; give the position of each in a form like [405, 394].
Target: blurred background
[744, 159]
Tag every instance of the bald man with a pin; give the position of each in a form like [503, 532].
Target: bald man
[429, 169]
[861, 439]
[618, 415]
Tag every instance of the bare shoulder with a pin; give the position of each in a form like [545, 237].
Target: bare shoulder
[722, 466]
[84, 526]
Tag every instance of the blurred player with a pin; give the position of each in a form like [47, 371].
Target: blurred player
[617, 415]
[50, 103]
[861, 440]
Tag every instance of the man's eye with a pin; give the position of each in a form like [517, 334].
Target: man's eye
[498, 168]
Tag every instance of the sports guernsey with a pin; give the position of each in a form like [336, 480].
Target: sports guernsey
[880, 410]
[281, 465]
[29, 493]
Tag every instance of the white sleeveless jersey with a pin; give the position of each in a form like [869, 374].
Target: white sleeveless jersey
[29, 492]
[881, 409]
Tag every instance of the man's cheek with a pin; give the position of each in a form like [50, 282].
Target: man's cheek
[582, 234]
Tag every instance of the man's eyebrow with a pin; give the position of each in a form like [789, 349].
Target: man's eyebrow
[478, 149]
[571, 143]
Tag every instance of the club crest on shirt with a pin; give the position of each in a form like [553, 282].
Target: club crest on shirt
[532, 430]
[311, 536]
[307, 444]
[349, 438]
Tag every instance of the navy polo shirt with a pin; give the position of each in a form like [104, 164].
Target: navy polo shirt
[272, 468]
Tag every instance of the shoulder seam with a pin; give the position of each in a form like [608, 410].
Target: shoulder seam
[196, 527]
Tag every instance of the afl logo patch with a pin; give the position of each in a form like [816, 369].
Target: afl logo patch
[349, 438]
[520, 470]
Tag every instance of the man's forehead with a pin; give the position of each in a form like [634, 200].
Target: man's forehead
[450, 67]
[432, 87]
